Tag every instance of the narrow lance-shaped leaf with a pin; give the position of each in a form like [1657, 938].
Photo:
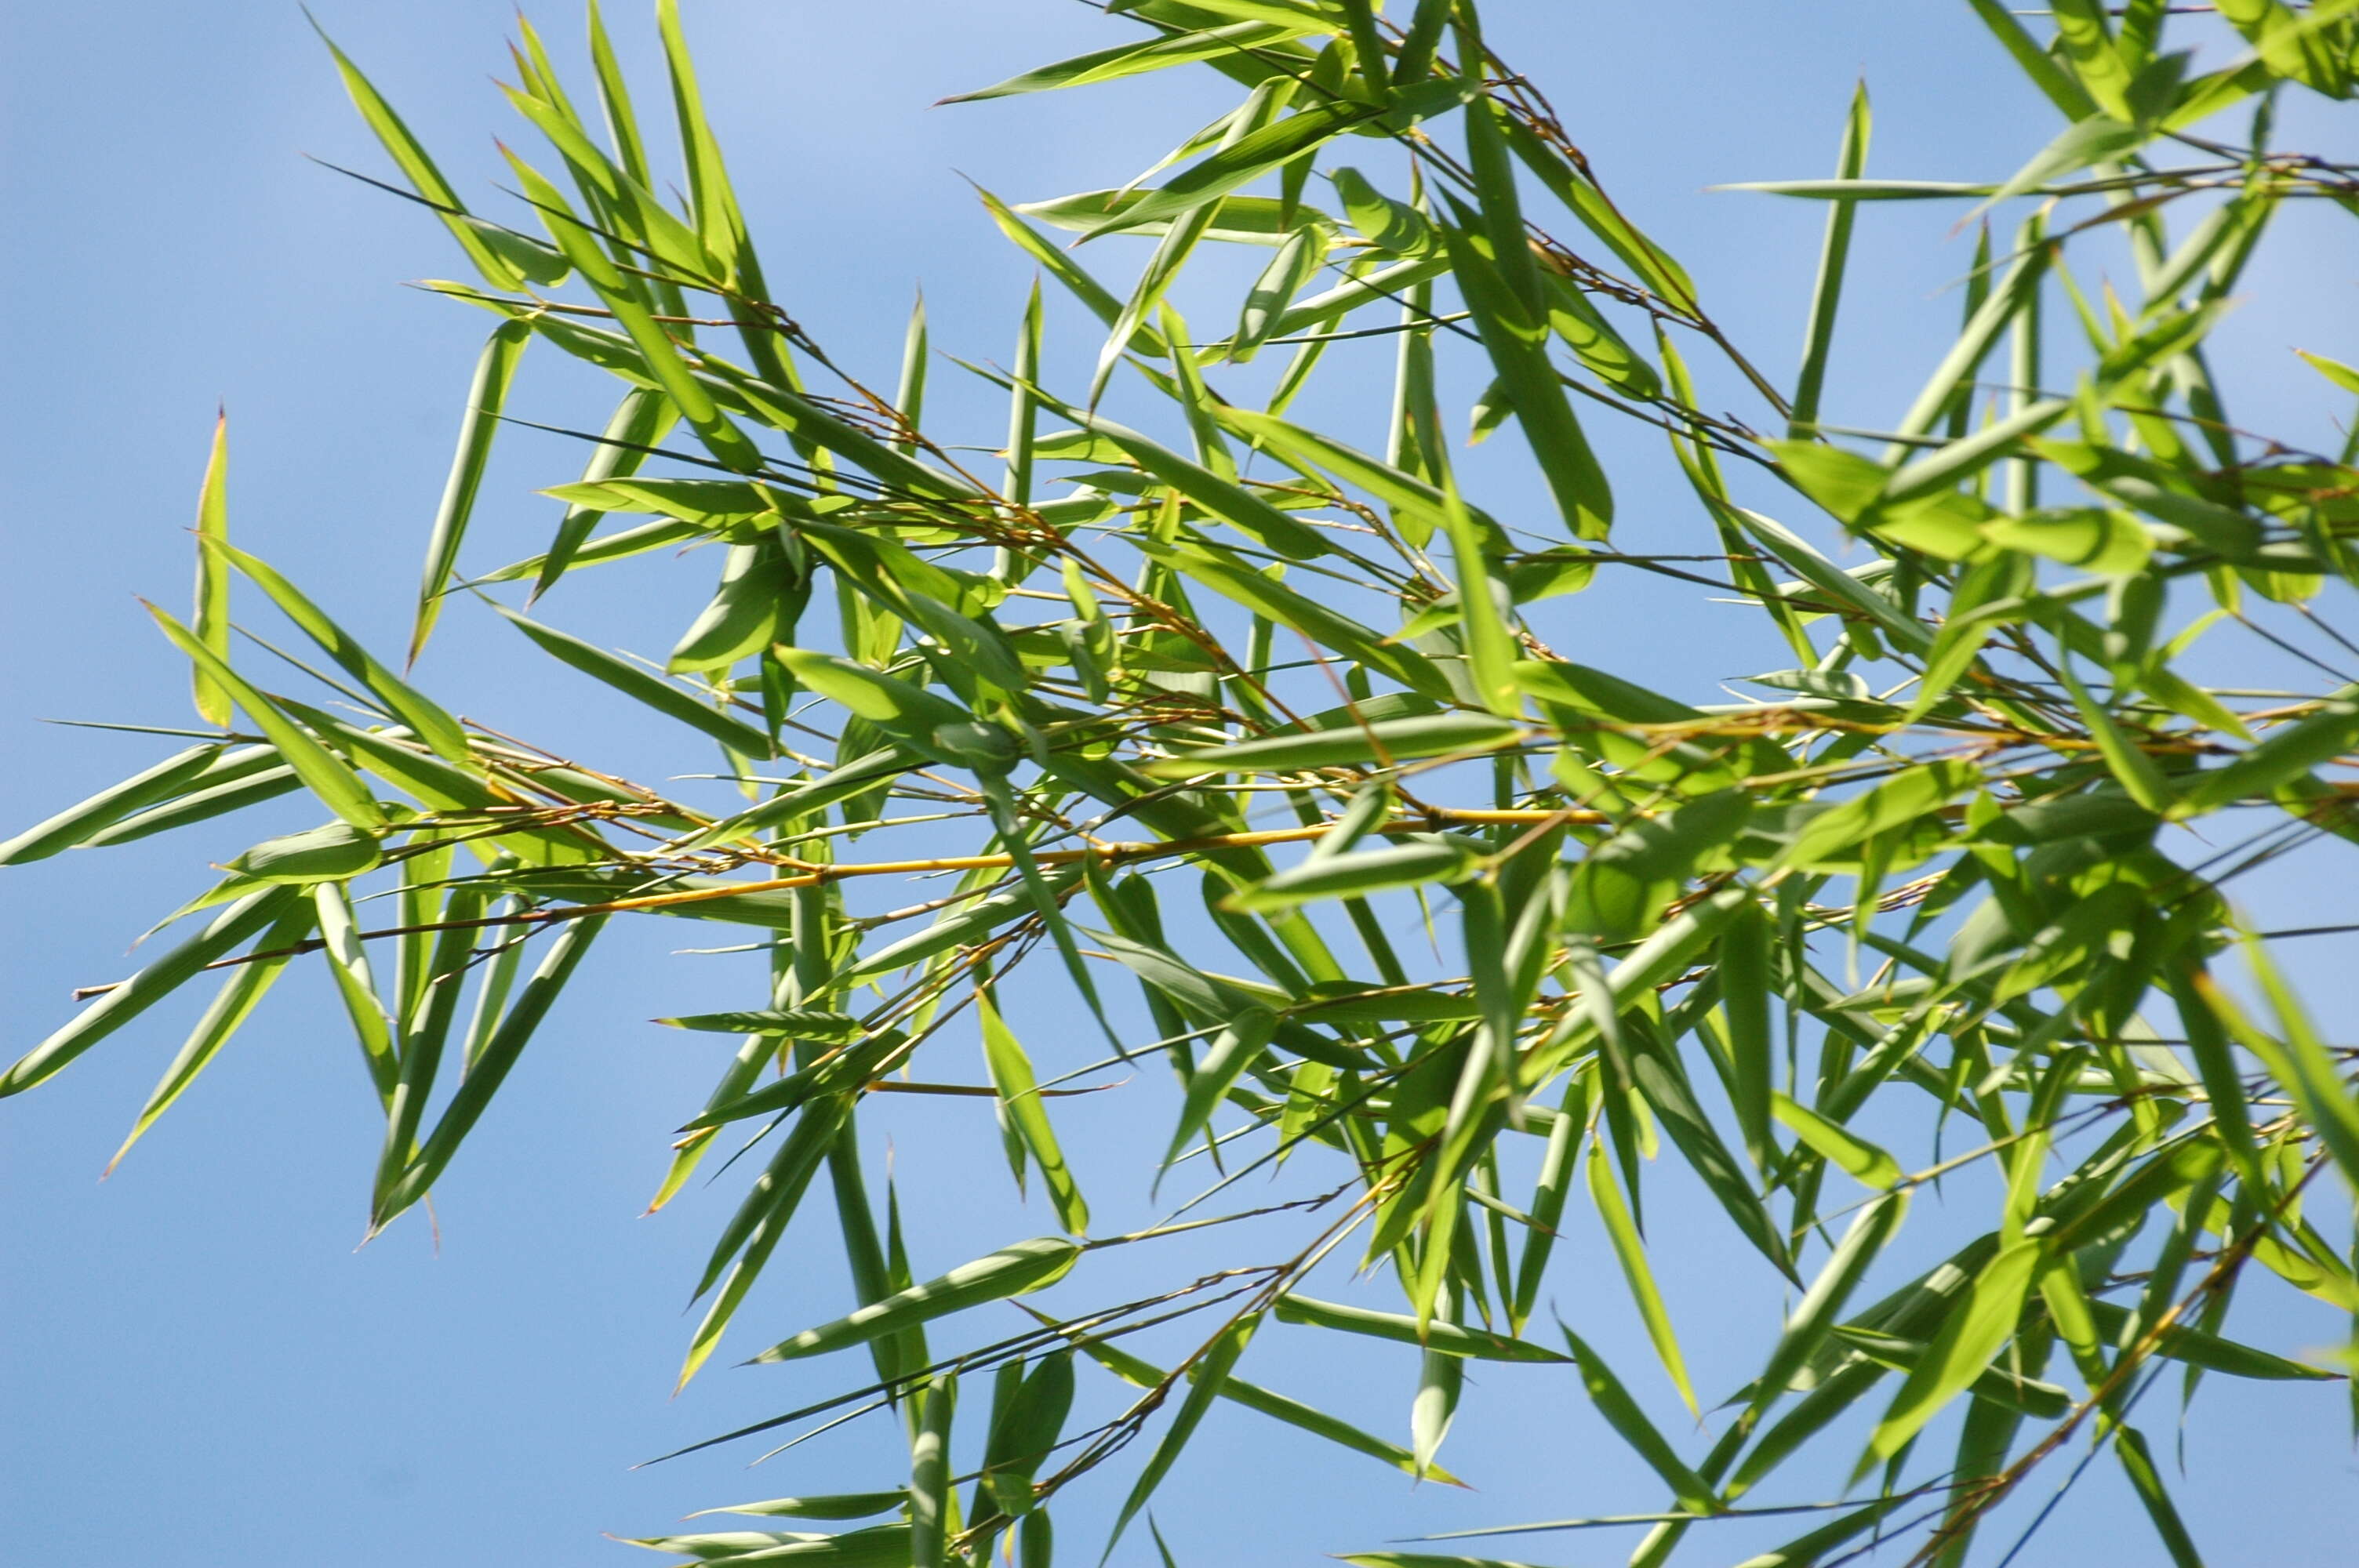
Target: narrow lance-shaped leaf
[485, 397]
[1133, 59]
[1491, 646]
[348, 962]
[718, 222]
[1012, 1271]
[1011, 1073]
[613, 97]
[77, 824]
[492, 1065]
[1622, 1413]
[1448, 1338]
[425, 718]
[337, 786]
[1818, 340]
[125, 1001]
[1977, 1328]
[477, 239]
[655, 346]
[1518, 349]
[1630, 1251]
[231, 1006]
[650, 690]
[930, 1476]
[1238, 163]
[754, 1232]
[1833, 1142]
[1276, 1406]
[1212, 1370]
[1233, 1051]
[639, 421]
[209, 621]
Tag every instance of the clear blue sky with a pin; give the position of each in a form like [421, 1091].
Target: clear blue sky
[197, 1366]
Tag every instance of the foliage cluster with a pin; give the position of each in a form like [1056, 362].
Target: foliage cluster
[1229, 712]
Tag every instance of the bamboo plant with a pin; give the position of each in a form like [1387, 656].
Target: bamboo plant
[1247, 747]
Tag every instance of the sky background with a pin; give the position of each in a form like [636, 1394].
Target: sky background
[196, 1358]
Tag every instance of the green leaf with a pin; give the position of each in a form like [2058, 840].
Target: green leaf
[755, 1230]
[1491, 646]
[800, 1024]
[1436, 858]
[758, 600]
[1622, 1413]
[2282, 756]
[1066, 271]
[1240, 163]
[1011, 1075]
[1296, 264]
[1818, 339]
[1394, 227]
[2136, 771]
[929, 1475]
[1518, 349]
[1011, 1271]
[210, 618]
[648, 690]
[337, 787]
[1383, 744]
[485, 398]
[1977, 1328]
[958, 927]
[1831, 1141]
[1905, 798]
[1421, 1560]
[654, 346]
[231, 1007]
[1276, 1406]
[1444, 1338]
[337, 852]
[1746, 985]
[1319, 622]
[1630, 1251]
[1815, 1315]
[425, 717]
[1133, 59]
[879, 1546]
[125, 1001]
[1211, 1369]
[1301, 447]
[410, 155]
[1223, 498]
[1024, 1434]
[79, 824]
[1233, 1051]
[840, 1505]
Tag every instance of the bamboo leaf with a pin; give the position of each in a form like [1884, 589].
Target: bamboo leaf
[1623, 1414]
[1383, 741]
[639, 686]
[1818, 340]
[485, 398]
[1833, 1141]
[1013, 1271]
[122, 1003]
[1213, 1364]
[337, 786]
[1240, 163]
[79, 824]
[209, 620]
[1445, 1338]
[1011, 1075]
[1977, 1328]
